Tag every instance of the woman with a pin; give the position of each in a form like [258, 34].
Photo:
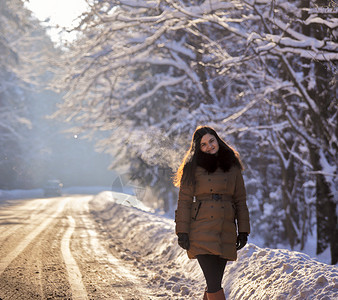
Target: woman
[211, 207]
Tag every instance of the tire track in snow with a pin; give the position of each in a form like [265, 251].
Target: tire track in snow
[101, 252]
[5, 261]
[37, 208]
[74, 274]
[94, 246]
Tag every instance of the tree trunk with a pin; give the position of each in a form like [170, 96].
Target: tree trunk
[322, 94]
[288, 179]
[327, 231]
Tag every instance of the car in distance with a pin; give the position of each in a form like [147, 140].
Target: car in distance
[52, 188]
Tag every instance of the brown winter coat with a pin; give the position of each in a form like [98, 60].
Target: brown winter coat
[212, 227]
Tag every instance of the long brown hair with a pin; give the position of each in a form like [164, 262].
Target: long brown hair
[186, 170]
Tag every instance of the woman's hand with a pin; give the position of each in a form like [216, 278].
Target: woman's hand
[183, 240]
[242, 239]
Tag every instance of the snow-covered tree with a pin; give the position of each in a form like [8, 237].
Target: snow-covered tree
[13, 121]
[22, 44]
[149, 72]
[299, 38]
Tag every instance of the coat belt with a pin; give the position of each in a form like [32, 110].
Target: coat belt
[215, 197]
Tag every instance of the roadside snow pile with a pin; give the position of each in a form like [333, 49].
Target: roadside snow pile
[108, 197]
[20, 194]
[257, 274]
[88, 190]
[148, 239]
[279, 274]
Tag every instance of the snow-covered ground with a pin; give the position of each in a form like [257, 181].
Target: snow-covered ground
[259, 273]
[38, 193]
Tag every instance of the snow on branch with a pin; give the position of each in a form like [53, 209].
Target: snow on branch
[309, 54]
[296, 126]
[311, 41]
[138, 48]
[323, 10]
[240, 112]
[205, 8]
[310, 102]
[331, 23]
[296, 155]
[323, 173]
[140, 3]
[305, 43]
[274, 141]
[189, 72]
[167, 81]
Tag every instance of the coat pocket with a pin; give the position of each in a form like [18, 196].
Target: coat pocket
[195, 210]
[229, 211]
[234, 211]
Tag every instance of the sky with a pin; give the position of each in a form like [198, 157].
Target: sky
[59, 12]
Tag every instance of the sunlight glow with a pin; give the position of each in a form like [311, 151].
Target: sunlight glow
[57, 13]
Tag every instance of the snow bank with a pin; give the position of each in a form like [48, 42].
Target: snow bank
[20, 194]
[257, 274]
[279, 274]
[148, 238]
[89, 190]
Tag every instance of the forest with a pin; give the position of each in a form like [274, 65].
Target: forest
[143, 74]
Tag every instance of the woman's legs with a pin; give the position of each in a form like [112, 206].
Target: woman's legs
[213, 269]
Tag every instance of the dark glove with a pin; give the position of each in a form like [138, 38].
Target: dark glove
[183, 240]
[242, 239]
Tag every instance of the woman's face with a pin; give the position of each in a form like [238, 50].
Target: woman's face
[209, 144]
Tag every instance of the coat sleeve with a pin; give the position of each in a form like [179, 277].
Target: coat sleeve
[183, 211]
[242, 212]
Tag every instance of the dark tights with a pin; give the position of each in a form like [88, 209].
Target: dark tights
[213, 268]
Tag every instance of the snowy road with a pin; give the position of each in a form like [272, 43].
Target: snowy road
[52, 248]
[109, 246]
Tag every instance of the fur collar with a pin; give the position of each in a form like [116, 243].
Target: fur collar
[224, 159]
[207, 161]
